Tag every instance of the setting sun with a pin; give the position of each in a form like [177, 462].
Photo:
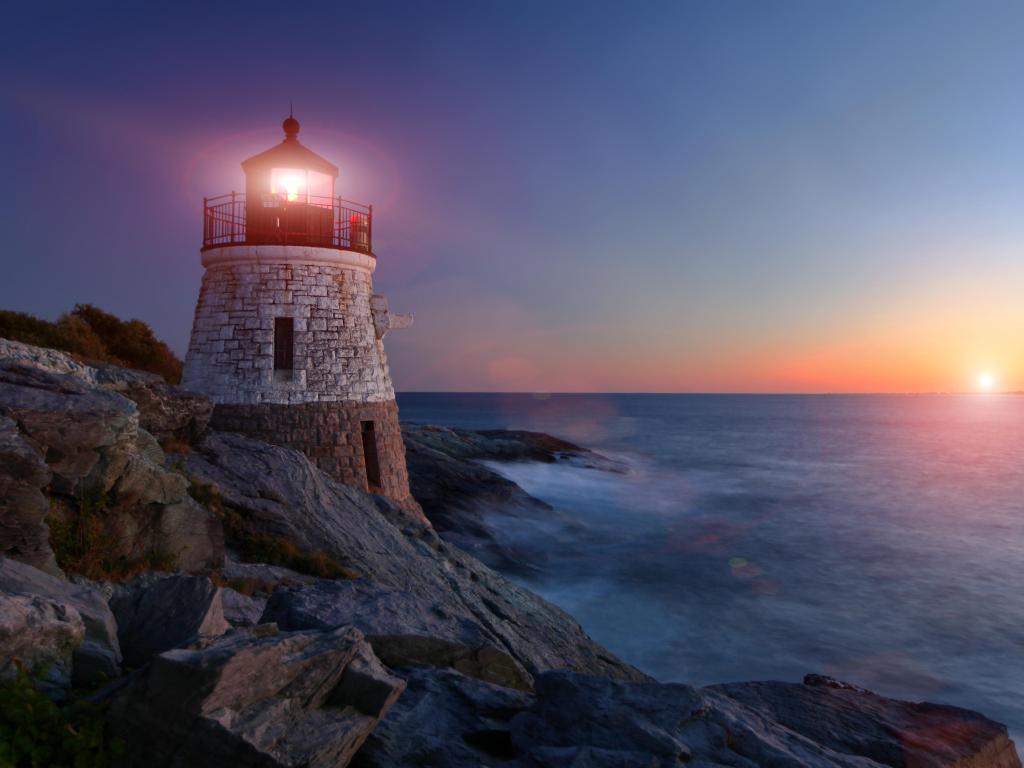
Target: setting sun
[986, 381]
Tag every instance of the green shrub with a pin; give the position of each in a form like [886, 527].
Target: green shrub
[36, 733]
[98, 336]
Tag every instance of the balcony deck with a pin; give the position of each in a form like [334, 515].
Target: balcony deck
[322, 222]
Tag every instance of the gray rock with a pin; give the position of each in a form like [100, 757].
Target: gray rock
[458, 495]
[277, 491]
[268, 576]
[46, 359]
[98, 656]
[99, 462]
[171, 414]
[86, 436]
[503, 445]
[23, 505]
[403, 631]
[371, 607]
[303, 699]
[446, 719]
[242, 610]
[855, 721]
[482, 662]
[40, 634]
[157, 613]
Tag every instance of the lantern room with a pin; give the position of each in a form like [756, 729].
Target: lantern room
[289, 200]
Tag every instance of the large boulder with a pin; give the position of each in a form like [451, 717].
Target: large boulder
[156, 613]
[295, 700]
[403, 630]
[277, 492]
[86, 436]
[40, 634]
[23, 505]
[97, 656]
[572, 721]
[104, 476]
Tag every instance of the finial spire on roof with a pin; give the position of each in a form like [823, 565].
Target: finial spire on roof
[291, 125]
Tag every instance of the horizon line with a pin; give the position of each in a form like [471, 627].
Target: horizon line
[541, 393]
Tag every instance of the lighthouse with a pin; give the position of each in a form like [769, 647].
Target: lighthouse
[288, 334]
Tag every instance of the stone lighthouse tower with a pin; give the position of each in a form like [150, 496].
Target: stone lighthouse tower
[288, 333]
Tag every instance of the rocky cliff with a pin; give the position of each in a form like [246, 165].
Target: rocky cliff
[224, 602]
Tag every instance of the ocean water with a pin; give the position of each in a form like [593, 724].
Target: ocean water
[878, 539]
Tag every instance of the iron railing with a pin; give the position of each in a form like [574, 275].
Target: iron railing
[325, 222]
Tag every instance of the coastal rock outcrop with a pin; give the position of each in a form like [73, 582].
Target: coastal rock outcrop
[277, 492]
[290, 700]
[96, 655]
[78, 460]
[581, 720]
[855, 721]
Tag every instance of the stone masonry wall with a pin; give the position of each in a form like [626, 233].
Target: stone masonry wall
[330, 435]
[337, 353]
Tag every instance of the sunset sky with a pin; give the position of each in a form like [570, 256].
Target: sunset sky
[680, 196]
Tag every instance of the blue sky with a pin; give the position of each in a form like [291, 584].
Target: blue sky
[685, 196]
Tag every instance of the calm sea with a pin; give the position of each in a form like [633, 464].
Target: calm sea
[878, 539]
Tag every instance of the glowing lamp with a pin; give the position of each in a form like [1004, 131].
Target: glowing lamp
[289, 193]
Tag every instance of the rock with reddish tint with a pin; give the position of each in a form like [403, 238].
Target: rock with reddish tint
[573, 720]
[290, 700]
[854, 721]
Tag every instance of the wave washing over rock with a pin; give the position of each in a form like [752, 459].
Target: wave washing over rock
[242, 608]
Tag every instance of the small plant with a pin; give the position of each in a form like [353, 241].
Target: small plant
[36, 733]
[260, 547]
[83, 542]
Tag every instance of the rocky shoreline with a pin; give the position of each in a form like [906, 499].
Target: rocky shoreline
[224, 602]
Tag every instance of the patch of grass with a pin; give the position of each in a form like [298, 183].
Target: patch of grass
[260, 547]
[247, 586]
[174, 445]
[36, 733]
[83, 542]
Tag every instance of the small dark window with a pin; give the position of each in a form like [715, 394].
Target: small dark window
[284, 344]
[370, 456]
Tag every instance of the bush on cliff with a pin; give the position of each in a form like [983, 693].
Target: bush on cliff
[98, 336]
[36, 733]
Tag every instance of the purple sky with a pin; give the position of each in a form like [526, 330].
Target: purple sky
[679, 196]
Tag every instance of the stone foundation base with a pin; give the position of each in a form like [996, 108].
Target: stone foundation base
[331, 435]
